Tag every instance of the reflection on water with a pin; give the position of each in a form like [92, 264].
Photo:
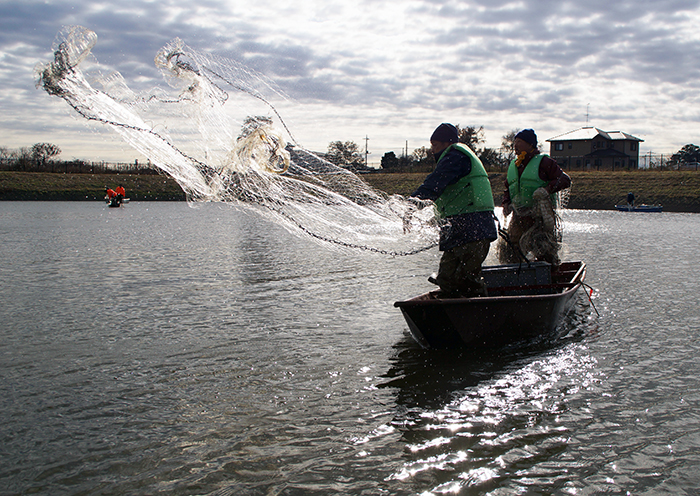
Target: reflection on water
[508, 424]
[473, 419]
[161, 348]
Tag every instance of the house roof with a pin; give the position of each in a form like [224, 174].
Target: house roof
[589, 133]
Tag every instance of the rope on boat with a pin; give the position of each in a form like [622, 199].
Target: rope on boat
[590, 300]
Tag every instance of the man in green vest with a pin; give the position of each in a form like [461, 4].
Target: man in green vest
[532, 180]
[461, 190]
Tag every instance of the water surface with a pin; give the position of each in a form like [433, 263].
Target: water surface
[160, 348]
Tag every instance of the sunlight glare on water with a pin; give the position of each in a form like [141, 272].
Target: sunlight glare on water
[506, 418]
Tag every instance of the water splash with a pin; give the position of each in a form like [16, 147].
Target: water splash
[187, 131]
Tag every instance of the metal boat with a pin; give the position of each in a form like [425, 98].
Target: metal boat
[524, 301]
[639, 208]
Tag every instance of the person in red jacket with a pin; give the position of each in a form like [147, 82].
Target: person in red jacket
[109, 193]
[532, 180]
[121, 193]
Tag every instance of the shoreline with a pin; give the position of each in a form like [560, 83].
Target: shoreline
[677, 191]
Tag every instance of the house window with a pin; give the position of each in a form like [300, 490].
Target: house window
[633, 146]
[558, 146]
[571, 145]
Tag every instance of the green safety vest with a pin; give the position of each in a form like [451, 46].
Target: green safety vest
[522, 187]
[471, 193]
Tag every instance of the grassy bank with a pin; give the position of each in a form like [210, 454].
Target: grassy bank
[74, 187]
[676, 191]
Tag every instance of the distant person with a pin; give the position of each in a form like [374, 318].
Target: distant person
[121, 193]
[461, 190]
[531, 182]
[630, 199]
[112, 197]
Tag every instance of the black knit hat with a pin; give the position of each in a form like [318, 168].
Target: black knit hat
[528, 136]
[446, 133]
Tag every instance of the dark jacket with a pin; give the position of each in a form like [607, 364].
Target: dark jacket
[461, 229]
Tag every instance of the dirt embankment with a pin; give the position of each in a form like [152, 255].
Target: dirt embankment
[75, 187]
[677, 191]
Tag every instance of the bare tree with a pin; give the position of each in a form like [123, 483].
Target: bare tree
[492, 159]
[508, 146]
[471, 136]
[43, 153]
[5, 155]
[422, 155]
[345, 154]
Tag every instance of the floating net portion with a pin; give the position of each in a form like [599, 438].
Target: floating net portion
[189, 131]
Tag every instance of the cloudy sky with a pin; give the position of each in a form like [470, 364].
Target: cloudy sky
[388, 70]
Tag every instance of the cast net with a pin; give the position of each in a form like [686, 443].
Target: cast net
[215, 130]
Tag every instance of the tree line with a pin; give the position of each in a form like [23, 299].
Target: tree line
[43, 157]
[346, 154]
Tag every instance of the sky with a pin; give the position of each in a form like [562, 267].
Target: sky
[383, 74]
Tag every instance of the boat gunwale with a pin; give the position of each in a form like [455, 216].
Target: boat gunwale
[428, 299]
[421, 300]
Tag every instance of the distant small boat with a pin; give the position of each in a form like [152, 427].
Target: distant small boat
[525, 301]
[639, 208]
[115, 202]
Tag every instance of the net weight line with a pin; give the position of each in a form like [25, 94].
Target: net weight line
[345, 244]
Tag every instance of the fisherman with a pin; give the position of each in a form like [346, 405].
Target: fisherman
[109, 193]
[630, 199]
[121, 193]
[461, 190]
[531, 182]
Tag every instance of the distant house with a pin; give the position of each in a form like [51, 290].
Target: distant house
[591, 148]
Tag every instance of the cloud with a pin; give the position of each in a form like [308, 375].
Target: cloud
[505, 64]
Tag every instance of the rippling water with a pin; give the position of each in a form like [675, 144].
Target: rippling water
[160, 348]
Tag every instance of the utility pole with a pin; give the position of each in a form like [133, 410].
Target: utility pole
[366, 150]
[587, 105]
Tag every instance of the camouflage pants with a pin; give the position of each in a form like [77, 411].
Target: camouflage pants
[460, 269]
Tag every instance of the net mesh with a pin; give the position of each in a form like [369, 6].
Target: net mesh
[189, 131]
[534, 233]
